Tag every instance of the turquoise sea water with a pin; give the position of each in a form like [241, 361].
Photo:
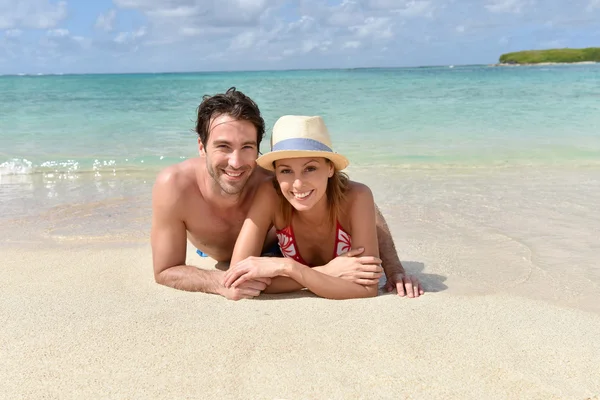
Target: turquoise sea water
[64, 138]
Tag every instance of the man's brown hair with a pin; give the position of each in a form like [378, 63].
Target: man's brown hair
[233, 103]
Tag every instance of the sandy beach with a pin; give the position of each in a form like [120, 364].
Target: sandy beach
[94, 325]
[505, 316]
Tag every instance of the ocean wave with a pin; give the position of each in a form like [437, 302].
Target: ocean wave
[16, 167]
[72, 167]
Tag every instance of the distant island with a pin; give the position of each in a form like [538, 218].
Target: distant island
[551, 56]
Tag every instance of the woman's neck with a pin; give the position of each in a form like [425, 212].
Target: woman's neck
[317, 215]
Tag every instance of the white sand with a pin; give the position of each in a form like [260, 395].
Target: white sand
[92, 324]
[509, 258]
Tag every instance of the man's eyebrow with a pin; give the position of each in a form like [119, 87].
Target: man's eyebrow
[227, 142]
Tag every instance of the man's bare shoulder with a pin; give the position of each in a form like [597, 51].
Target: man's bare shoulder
[357, 187]
[358, 191]
[266, 188]
[177, 180]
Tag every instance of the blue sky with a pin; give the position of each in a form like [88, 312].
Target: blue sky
[95, 36]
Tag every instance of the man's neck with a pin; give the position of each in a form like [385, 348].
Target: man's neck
[215, 195]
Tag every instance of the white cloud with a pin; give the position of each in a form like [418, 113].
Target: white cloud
[53, 51]
[304, 25]
[194, 13]
[308, 46]
[170, 22]
[416, 9]
[130, 37]
[373, 28]
[243, 41]
[57, 33]
[84, 42]
[106, 21]
[382, 4]
[13, 33]
[174, 12]
[507, 6]
[352, 44]
[191, 31]
[35, 14]
[593, 5]
[345, 14]
[460, 29]
[322, 46]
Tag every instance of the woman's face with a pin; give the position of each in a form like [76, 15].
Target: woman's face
[303, 181]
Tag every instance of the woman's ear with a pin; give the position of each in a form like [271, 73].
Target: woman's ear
[331, 169]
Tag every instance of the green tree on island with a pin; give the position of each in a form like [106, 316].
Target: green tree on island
[552, 56]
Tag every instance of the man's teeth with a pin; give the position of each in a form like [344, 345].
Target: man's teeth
[302, 195]
[232, 174]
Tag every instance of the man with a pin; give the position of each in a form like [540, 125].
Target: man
[205, 200]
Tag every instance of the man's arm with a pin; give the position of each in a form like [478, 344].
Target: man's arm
[394, 271]
[387, 250]
[169, 243]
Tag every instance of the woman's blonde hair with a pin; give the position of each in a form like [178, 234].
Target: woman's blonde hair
[337, 187]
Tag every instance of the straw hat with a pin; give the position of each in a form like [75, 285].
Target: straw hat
[297, 136]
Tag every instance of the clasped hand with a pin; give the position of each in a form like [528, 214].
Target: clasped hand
[364, 270]
[252, 268]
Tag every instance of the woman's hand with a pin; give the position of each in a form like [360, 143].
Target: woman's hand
[253, 268]
[364, 271]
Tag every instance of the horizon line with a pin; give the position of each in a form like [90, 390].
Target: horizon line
[238, 71]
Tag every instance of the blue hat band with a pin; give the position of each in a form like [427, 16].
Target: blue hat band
[301, 144]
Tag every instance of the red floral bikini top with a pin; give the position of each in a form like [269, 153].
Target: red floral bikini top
[289, 248]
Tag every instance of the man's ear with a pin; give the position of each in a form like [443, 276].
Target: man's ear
[201, 148]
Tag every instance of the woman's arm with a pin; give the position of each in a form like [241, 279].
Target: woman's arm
[251, 239]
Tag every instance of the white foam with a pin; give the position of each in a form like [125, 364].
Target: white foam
[61, 166]
[16, 166]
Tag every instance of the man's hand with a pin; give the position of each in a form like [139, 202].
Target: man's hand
[246, 290]
[407, 285]
[252, 268]
[361, 270]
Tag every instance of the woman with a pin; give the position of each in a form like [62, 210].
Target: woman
[318, 214]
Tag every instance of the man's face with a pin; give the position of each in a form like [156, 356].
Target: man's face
[231, 152]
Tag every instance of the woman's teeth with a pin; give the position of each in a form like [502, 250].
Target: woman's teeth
[302, 195]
